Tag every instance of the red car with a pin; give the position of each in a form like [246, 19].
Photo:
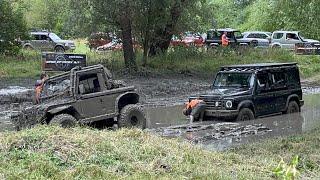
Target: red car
[187, 41]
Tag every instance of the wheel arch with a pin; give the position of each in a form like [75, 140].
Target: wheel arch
[59, 45]
[247, 104]
[68, 109]
[293, 97]
[125, 99]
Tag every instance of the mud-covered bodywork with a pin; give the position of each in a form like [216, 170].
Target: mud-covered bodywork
[261, 89]
[87, 94]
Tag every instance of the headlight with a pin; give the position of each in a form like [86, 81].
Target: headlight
[229, 104]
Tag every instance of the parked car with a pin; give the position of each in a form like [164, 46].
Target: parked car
[235, 38]
[187, 40]
[288, 39]
[47, 41]
[98, 39]
[263, 39]
[115, 44]
[245, 92]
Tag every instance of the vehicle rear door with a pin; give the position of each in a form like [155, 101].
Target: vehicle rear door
[279, 88]
[264, 98]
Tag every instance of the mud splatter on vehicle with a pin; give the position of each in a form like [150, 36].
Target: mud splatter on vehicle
[83, 95]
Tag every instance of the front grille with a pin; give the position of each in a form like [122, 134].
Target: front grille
[213, 105]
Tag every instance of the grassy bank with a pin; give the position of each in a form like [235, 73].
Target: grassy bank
[178, 60]
[55, 153]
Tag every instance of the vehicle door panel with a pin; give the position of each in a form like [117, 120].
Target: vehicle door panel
[264, 99]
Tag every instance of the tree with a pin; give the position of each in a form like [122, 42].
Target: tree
[120, 14]
[12, 28]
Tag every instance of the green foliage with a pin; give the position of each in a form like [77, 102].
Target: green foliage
[48, 152]
[12, 28]
[287, 171]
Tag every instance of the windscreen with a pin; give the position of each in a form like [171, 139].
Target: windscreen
[54, 37]
[241, 80]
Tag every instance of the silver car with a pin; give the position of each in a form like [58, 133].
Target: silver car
[260, 37]
[47, 41]
[288, 39]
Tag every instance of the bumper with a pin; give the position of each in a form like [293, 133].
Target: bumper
[221, 113]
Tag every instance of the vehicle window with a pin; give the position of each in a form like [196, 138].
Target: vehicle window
[277, 35]
[56, 86]
[36, 37]
[263, 81]
[251, 36]
[54, 37]
[234, 80]
[292, 36]
[212, 35]
[43, 37]
[88, 83]
[238, 34]
[262, 36]
[278, 78]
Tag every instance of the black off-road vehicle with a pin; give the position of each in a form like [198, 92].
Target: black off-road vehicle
[84, 95]
[235, 37]
[245, 92]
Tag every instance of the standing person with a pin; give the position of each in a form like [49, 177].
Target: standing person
[195, 109]
[224, 39]
[39, 86]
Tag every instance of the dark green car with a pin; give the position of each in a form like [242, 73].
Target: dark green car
[245, 92]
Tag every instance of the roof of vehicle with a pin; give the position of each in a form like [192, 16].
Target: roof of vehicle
[40, 32]
[225, 29]
[257, 32]
[286, 31]
[255, 67]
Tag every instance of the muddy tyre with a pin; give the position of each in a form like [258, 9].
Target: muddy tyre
[64, 120]
[245, 114]
[132, 115]
[293, 107]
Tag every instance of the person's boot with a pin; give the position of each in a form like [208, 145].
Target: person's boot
[191, 119]
[201, 116]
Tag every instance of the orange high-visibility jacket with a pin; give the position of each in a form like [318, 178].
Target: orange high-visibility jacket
[224, 40]
[193, 103]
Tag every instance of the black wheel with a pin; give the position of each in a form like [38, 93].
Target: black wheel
[293, 107]
[59, 49]
[64, 120]
[245, 114]
[132, 115]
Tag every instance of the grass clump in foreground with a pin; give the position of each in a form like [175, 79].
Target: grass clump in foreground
[56, 153]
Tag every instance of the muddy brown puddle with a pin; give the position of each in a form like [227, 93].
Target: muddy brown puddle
[219, 135]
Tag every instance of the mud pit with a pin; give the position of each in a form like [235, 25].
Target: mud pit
[163, 97]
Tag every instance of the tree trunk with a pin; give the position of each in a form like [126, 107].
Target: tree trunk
[128, 53]
[161, 44]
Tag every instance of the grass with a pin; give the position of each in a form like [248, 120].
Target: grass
[177, 60]
[48, 152]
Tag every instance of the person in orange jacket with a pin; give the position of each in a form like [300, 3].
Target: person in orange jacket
[195, 109]
[224, 39]
[39, 86]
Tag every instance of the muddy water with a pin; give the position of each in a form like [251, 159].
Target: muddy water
[219, 135]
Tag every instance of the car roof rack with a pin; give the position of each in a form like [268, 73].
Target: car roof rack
[255, 67]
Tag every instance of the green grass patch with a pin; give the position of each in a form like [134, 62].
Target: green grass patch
[48, 152]
[177, 60]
